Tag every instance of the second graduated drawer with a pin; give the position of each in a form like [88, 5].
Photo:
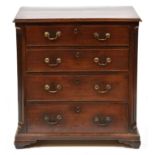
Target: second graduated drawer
[55, 60]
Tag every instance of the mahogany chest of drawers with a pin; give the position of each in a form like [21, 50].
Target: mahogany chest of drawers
[77, 73]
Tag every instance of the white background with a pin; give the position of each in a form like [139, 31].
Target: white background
[146, 77]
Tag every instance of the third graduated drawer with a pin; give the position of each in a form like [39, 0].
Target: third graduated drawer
[103, 87]
[72, 59]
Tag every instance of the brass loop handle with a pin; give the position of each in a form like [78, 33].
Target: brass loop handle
[53, 88]
[102, 61]
[102, 88]
[53, 119]
[52, 36]
[101, 37]
[55, 63]
[102, 120]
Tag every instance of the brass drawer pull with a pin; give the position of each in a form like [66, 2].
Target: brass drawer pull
[102, 88]
[55, 63]
[102, 61]
[101, 37]
[53, 88]
[53, 119]
[102, 120]
[52, 36]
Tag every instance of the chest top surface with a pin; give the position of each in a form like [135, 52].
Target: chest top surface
[40, 14]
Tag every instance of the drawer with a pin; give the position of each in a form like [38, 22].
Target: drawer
[55, 60]
[111, 87]
[78, 35]
[49, 117]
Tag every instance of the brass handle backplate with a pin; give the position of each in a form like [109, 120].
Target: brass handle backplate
[102, 61]
[102, 88]
[53, 35]
[102, 37]
[53, 63]
[102, 120]
[52, 88]
[53, 119]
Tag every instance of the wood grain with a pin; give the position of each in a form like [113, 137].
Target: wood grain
[33, 15]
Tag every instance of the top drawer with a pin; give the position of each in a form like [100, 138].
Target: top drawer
[77, 35]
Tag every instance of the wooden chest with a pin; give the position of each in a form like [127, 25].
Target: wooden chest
[77, 70]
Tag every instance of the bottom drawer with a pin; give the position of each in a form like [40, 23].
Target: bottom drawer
[62, 117]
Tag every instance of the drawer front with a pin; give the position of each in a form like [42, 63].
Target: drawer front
[76, 117]
[111, 87]
[55, 60]
[86, 35]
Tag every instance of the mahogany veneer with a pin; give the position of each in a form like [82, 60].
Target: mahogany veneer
[77, 75]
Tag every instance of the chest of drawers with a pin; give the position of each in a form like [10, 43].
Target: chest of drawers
[77, 75]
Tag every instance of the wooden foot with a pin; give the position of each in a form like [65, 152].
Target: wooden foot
[23, 144]
[134, 144]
